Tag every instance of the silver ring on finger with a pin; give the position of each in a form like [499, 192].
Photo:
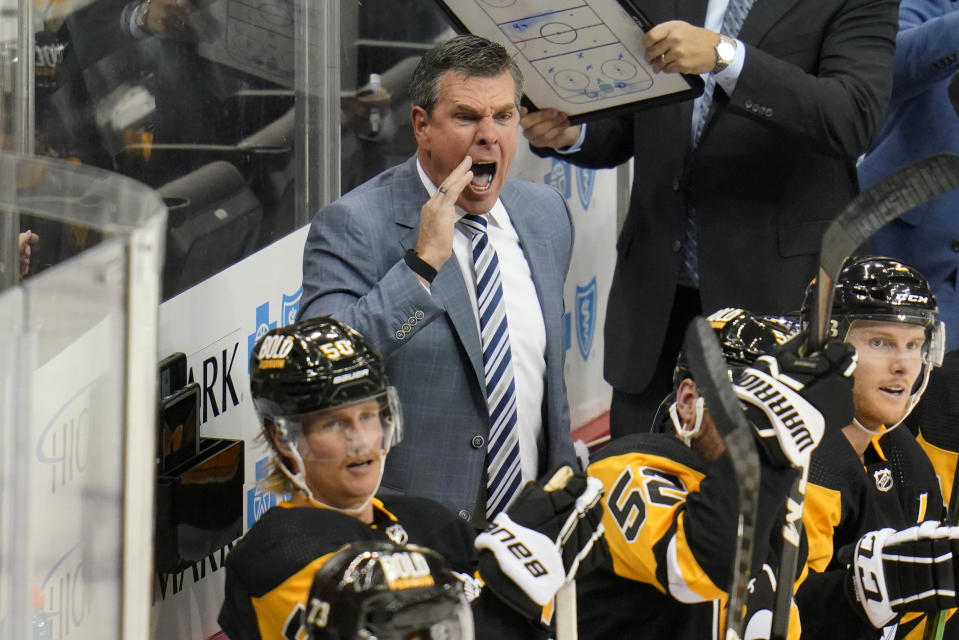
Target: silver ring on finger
[443, 190]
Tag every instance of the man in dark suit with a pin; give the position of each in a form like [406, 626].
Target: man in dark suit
[736, 216]
[379, 259]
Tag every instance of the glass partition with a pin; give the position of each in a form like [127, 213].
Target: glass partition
[198, 99]
[77, 406]
[381, 42]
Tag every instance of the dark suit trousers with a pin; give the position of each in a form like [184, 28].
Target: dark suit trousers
[634, 412]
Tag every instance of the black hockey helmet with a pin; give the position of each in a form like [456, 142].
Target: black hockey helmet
[884, 290]
[743, 336]
[312, 365]
[377, 590]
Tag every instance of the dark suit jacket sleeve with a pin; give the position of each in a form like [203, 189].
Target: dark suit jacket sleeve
[839, 108]
[608, 143]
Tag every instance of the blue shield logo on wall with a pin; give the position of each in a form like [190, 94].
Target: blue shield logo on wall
[291, 306]
[559, 178]
[585, 317]
[262, 324]
[585, 181]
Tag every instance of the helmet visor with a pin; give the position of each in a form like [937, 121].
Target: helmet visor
[866, 334]
[441, 617]
[369, 425]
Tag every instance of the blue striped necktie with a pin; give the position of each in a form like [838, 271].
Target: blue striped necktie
[504, 475]
[733, 19]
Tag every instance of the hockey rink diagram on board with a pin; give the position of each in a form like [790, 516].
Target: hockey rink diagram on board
[580, 56]
[575, 53]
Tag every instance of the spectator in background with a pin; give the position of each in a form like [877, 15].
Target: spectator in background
[733, 215]
[920, 122]
[478, 362]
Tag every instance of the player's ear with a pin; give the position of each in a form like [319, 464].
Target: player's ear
[686, 396]
[273, 435]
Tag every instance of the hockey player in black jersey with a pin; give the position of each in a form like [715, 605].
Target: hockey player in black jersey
[330, 418]
[871, 564]
[670, 506]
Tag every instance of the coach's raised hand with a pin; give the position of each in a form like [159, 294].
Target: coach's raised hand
[434, 244]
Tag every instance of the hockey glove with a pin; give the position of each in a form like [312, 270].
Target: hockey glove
[910, 570]
[543, 539]
[791, 400]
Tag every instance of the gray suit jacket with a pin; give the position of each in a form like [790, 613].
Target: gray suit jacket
[353, 269]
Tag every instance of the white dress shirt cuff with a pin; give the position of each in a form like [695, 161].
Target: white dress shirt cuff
[576, 146]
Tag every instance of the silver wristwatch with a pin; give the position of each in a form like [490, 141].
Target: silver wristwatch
[725, 52]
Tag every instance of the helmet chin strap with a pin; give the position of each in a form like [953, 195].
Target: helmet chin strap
[913, 401]
[685, 435]
[299, 481]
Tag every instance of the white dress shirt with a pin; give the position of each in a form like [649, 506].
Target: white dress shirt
[524, 316]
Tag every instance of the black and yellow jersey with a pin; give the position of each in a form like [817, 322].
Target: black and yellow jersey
[935, 423]
[271, 569]
[892, 486]
[670, 521]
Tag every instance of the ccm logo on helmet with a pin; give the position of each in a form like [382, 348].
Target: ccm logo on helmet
[406, 570]
[911, 297]
[273, 351]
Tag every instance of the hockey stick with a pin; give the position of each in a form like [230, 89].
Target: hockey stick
[881, 203]
[567, 624]
[566, 614]
[712, 380]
